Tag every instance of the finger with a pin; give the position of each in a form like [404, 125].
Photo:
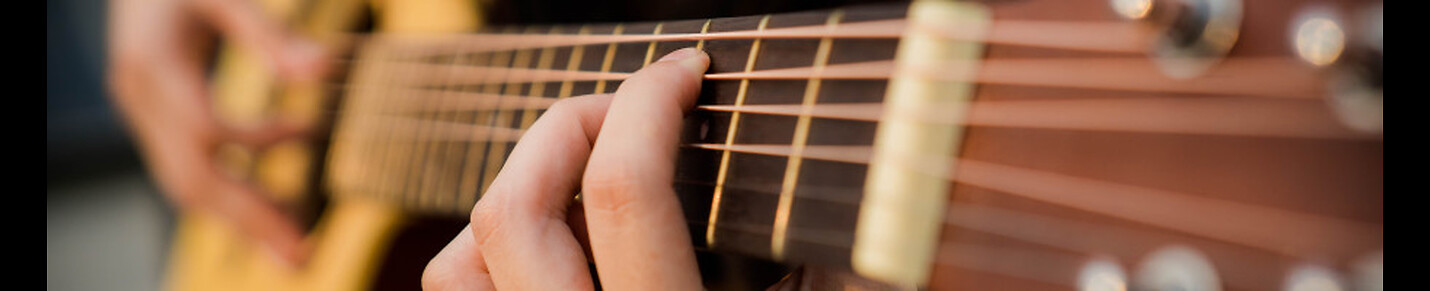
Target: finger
[638, 234]
[520, 222]
[255, 215]
[459, 266]
[263, 136]
[245, 23]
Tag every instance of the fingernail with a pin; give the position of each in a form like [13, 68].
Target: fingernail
[691, 58]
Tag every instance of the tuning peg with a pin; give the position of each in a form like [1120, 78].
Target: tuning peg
[1319, 36]
[1101, 274]
[1370, 272]
[1193, 34]
[1313, 278]
[1176, 268]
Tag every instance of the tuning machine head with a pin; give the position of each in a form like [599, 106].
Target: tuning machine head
[1313, 278]
[1193, 35]
[1176, 268]
[1102, 274]
[1354, 53]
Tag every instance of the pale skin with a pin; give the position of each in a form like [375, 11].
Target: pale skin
[526, 233]
[618, 151]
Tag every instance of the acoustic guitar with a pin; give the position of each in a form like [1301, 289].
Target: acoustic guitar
[1037, 144]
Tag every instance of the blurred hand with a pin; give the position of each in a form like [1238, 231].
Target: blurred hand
[527, 234]
[158, 61]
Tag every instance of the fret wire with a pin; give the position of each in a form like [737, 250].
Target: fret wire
[704, 30]
[407, 153]
[341, 160]
[574, 63]
[609, 57]
[723, 171]
[801, 137]
[361, 124]
[436, 184]
[387, 182]
[453, 189]
[417, 187]
[479, 116]
[494, 117]
[496, 151]
[538, 89]
[650, 50]
[415, 193]
[380, 146]
[468, 192]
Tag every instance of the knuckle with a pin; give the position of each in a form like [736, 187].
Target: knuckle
[563, 108]
[494, 213]
[486, 221]
[612, 191]
[558, 114]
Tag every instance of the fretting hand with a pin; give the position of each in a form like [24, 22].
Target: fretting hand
[617, 150]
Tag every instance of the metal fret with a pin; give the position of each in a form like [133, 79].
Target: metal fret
[574, 64]
[538, 89]
[472, 170]
[704, 29]
[422, 189]
[723, 172]
[801, 136]
[352, 154]
[610, 56]
[388, 183]
[650, 50]
[496, 151]
[436, 185]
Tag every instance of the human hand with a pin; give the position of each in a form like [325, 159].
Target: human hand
[158, 61]
[526, 233]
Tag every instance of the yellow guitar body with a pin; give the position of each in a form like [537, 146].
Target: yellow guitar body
[352, 234]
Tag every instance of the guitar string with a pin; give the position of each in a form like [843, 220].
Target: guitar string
[1096, 36]
[992, 266]
[1156, 207]
[1277, 77]
[1275, 230]
[1164, 115]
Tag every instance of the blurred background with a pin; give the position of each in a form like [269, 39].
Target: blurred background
[106, 225]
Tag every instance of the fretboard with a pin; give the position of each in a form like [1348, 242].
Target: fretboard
[430, 128]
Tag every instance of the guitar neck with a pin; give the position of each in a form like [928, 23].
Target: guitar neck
[432, 126]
